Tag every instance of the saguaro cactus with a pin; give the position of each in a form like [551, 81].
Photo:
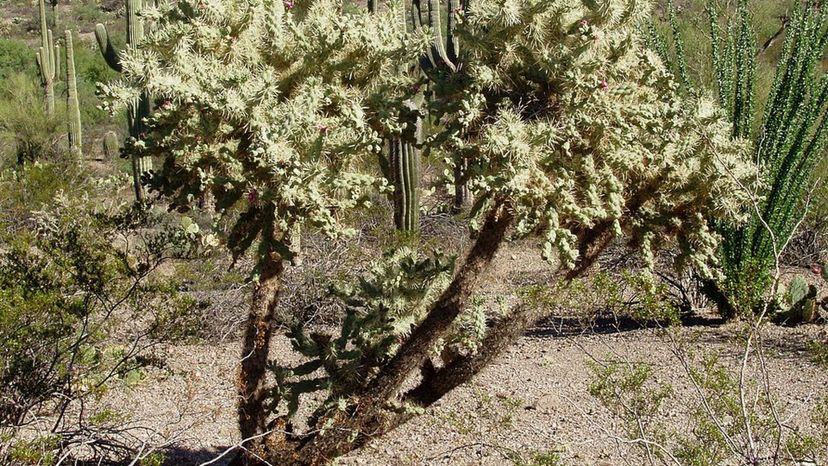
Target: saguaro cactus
[443, 57]
[111, 146]
[48, 60]
[403, 168]
[73, 115]
[136, 113]
[404, 164]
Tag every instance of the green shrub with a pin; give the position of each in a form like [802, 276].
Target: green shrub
[73, 271]
[16, 57]
[28, 133]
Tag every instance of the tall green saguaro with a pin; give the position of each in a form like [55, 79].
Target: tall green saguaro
[138, 112]
[48, 60]
[402, 166]
[73, 115]
[443, 58]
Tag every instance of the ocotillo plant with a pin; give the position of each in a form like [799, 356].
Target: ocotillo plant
[111, 146]
[48, 60]
[789, 138]
[402, 165]
[442, 59]
[73, 115]
[136, 113]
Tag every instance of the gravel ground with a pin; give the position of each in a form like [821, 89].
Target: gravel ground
[533, 399]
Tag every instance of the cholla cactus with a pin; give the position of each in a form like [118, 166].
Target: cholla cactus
[574, 132]
[576, 127]
[48, 60]
[139, 110]
[73, 115]
[380, 311]
[273, 108]
[284, 138]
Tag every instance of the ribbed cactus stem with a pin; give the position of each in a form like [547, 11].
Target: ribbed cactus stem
[111, 145]
[48, 59]
[405, 166]
[73, 114]
[403, 162]
[137, 113]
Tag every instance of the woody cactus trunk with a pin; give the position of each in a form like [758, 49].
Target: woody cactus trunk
[48, 60]
[73, 115]
[136, 113]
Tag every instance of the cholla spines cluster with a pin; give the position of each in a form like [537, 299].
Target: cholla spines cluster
[48, 60]
[299, 124]
[137, 111]
[73, 114]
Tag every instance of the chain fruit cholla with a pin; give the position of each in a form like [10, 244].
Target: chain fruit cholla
[571, 130]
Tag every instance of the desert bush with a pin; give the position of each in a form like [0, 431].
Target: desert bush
[15, 57]
[621, 299]
[26, 129]
[81, 307]
[723, 427]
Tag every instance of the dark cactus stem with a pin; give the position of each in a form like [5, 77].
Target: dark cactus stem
[462, 193]
[403, 165]
[136, 114]
[54, 4]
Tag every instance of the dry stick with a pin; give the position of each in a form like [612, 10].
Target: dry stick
[755, 327]
[237, 446]
[777, 274]
[619, 439]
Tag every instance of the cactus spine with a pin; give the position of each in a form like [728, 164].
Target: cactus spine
[73, 114]
[136, 113]
[48, 60]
